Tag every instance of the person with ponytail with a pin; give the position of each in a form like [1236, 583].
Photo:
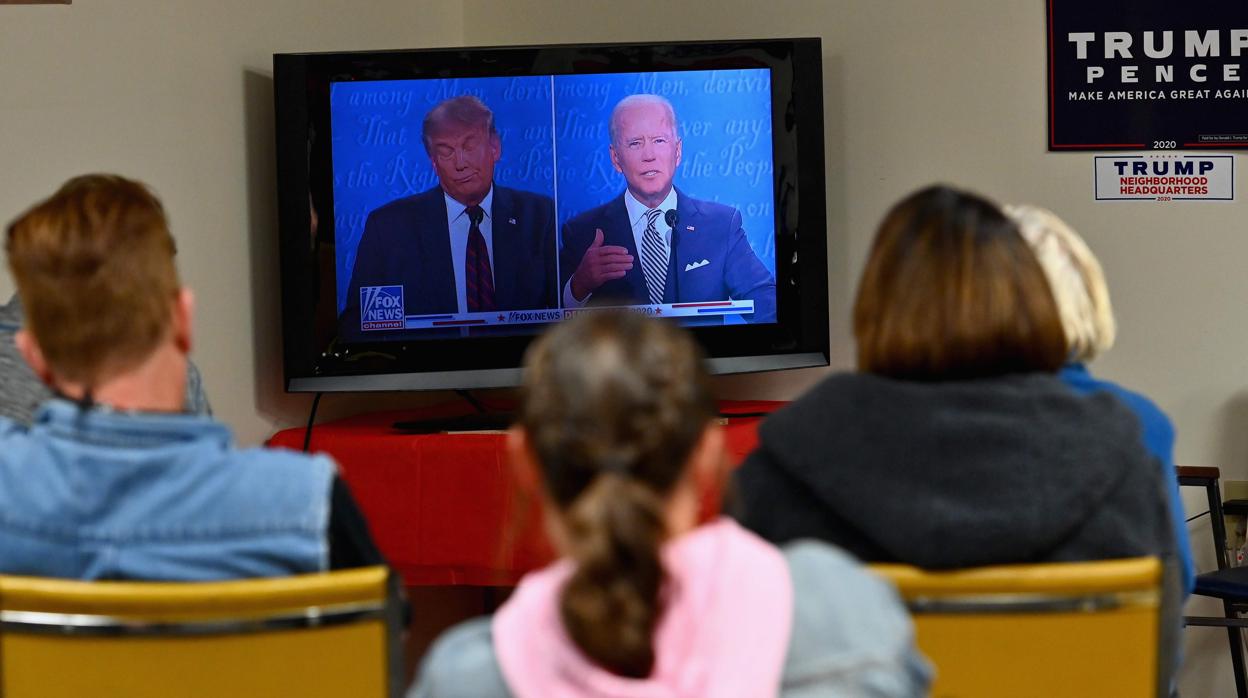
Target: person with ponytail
[651, 597]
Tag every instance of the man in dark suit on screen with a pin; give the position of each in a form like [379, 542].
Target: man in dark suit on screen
[465, 246]
[654, 243]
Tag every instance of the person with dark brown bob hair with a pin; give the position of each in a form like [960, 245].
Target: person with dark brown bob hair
[951, 290]
[652, 597]
[956, 444]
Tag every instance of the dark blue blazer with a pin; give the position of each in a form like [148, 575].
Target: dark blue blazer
[704, 232]
[407, 242]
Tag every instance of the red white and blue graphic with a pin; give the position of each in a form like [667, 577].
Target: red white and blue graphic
[1165, 177]
[729, 308]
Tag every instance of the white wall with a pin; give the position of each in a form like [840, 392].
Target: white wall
[177, 93]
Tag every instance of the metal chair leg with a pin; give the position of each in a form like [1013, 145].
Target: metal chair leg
[1237, 653]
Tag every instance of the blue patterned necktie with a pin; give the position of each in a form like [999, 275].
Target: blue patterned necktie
[654, 258]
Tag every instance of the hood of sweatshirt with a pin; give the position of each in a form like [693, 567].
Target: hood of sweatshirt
[958, 473]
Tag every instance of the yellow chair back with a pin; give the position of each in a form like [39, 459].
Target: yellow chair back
[1055, 629]
[330, 634]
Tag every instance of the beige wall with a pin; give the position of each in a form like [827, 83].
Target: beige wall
[177, 93]
[919, 92]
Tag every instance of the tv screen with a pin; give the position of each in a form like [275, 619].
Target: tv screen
[438, 208]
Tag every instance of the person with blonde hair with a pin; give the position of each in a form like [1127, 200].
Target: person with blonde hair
[1082, 296]
[652, 596]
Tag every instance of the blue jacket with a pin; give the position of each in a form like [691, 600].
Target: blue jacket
[1159, 440]
[713, 260]
[102, 494]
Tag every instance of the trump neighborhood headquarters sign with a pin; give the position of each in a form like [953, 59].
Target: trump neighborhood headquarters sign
[1147, 74]
[1165, 177]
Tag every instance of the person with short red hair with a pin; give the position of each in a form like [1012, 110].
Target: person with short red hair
[113, 480]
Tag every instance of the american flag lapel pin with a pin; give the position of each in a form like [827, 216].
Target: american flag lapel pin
[511, 221]
[689, 228]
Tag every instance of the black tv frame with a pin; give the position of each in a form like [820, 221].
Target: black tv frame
[301, 92]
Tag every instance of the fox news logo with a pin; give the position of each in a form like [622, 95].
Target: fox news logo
[381, 308]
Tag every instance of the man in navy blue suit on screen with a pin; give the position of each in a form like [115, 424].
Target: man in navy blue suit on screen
[654, 243]
[466, 245]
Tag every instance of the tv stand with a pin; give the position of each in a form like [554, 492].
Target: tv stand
[482, 420]
[487, 421]
[447, 509]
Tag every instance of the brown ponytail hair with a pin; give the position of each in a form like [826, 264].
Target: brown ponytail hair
[614, 405]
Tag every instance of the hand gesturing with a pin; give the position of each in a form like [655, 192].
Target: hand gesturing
[601, 264]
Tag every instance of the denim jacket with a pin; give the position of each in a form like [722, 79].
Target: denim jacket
[103, 494]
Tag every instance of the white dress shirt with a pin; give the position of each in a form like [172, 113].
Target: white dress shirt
[458, 224]
[637, 219]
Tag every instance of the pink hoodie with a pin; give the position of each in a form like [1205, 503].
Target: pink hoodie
[724, 633]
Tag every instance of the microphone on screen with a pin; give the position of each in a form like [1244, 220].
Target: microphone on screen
[671, 218]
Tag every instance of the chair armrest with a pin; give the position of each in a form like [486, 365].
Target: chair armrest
[1196, 474]
[1235, 507]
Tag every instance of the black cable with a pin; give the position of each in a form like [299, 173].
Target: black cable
[476, 404]
[483, 419]
[307, 433]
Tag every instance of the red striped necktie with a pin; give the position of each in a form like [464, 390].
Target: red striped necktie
[478, 279]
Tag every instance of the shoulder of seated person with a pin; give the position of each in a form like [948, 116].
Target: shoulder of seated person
[809, 557]
[851, 635]
[11, 427]
[1148, 411]
[838, 599]
[461, 663]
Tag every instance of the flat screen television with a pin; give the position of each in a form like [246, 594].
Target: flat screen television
[438, 208]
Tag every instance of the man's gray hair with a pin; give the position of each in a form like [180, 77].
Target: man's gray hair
[465, 110]
[640, 100]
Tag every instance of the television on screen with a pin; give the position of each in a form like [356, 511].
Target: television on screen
[439, 208]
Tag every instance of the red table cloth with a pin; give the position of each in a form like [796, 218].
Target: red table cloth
[446, 509]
